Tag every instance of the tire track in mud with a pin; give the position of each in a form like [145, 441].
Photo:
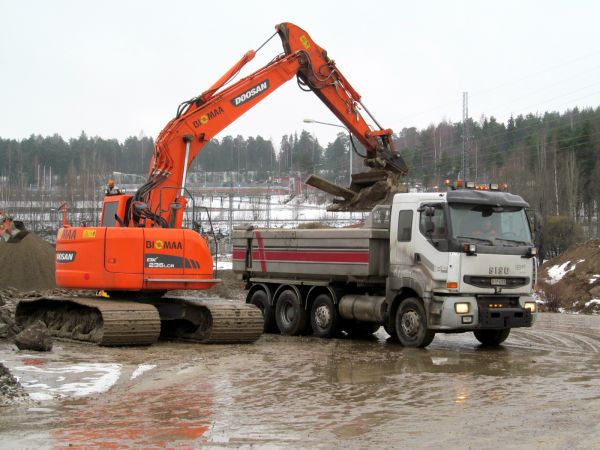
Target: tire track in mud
[554, 341]
[580, 334]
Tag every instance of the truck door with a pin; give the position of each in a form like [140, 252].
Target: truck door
[431, 240]
[402, 239]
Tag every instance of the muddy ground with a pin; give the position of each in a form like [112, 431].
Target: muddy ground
[539, 390]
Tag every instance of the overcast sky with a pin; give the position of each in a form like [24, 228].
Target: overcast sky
[114, 68]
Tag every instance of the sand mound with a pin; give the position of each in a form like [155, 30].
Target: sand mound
[571, 281]
[27, 265]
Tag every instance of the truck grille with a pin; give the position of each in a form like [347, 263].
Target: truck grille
[492, 282]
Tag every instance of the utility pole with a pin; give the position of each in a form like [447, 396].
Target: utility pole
[465, 148]
[230, 217]
[269, 204]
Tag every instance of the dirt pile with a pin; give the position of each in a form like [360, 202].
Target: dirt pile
[11, 391]
[571, 281]
[27, 265]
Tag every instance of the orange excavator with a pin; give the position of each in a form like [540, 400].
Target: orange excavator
[140, 250]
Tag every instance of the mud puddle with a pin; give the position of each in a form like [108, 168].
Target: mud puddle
[540, 390]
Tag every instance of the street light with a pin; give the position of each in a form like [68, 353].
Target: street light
[339, 126]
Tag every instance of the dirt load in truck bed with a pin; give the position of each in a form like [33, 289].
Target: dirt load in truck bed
[571, 281]
[28, 264]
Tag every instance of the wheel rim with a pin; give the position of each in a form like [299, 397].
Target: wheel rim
[322, 316]
[288, 313]
[410, 323]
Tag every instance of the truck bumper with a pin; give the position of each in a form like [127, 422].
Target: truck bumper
[483, 313]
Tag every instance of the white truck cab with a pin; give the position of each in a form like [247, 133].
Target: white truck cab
[468, 256]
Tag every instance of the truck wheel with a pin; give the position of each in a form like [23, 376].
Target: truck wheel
[290, 315]
[360, 330]
[260, 299]
[411, 324]
[491, 337]
[324, 317]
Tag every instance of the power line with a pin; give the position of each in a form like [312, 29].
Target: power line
[509, 82]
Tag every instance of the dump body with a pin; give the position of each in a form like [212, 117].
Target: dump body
[321, 254]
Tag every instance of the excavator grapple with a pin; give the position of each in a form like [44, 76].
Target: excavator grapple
[367, 190]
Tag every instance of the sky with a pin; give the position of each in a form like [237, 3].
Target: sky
[119, 68]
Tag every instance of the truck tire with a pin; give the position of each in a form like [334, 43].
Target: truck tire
[411, 324]
[360, 330]
[491, 337]
[290, 314]
[324, 317]
[260, 299]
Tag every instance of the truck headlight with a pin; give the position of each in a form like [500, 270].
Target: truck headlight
[530, 306]
[461, 308]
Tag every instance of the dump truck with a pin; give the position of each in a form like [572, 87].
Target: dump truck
[430, 262]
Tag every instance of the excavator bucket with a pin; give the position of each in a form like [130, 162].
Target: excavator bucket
[367, 190]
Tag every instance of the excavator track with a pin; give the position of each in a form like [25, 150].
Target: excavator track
[115, 322]
[99, 321]
[210, 320]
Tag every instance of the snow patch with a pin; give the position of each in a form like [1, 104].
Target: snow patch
[141, 369]
[40, 396]
[594, 278]
[593, 301]
[224, 265]
[99, 378]
[557, 272]
[439, 361]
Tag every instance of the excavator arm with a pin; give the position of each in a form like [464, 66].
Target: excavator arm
[161, 201]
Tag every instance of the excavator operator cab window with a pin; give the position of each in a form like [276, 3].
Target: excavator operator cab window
[108, 214]
[114, 211]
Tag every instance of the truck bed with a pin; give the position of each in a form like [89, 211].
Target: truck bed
[317, 254]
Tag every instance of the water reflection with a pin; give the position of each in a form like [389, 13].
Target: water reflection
[461, 396]
[151, 419]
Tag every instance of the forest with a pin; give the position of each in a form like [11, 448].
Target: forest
[551, 159]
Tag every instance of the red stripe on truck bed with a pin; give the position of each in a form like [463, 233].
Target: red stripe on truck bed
[263, 255]
[317, 256]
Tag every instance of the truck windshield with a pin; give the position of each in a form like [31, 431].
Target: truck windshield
[490, 225]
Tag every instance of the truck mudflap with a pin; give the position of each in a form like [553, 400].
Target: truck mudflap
[501, 314]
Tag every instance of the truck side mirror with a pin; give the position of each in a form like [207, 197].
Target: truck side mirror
[429, 226]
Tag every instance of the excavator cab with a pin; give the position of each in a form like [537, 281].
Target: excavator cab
[115, 210]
